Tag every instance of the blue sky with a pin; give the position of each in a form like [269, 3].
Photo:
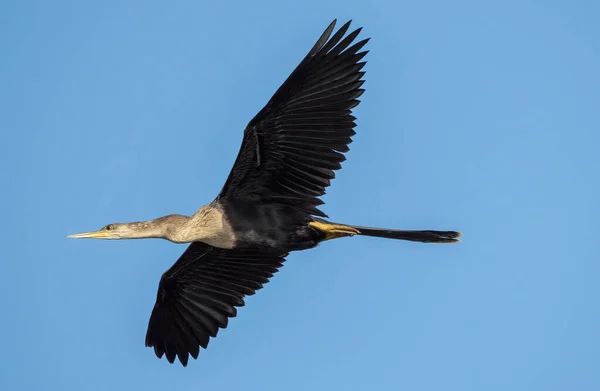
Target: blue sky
[477, 117]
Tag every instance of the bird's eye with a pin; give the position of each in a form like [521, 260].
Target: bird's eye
[109, 227]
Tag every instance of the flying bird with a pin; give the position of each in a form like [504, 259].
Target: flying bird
[268, 205]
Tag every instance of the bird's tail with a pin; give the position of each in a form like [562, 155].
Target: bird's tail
[333, 231]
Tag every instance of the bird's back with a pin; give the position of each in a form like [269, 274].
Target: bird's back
[270, 225]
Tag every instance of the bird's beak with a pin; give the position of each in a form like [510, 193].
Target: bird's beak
[91, 235]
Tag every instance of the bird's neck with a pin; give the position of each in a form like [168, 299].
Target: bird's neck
[207, 225]
[175, 228]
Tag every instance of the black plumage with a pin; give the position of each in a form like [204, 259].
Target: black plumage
[288, 156]
[292, 147]
[269, 204]
[200, 292]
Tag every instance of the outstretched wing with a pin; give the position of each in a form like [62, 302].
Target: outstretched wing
[292, 147]
[199, 293]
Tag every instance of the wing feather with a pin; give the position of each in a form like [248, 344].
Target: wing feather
[200, 292]
[293, 146]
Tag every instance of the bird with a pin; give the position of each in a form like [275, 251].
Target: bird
[268, 205]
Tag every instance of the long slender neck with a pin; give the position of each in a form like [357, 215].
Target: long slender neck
[207, 225]
[172, 227]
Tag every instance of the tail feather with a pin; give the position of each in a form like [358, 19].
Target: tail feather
[331, 230]
[413, 236]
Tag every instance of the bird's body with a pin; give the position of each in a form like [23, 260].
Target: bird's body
[239, 225]
[268, 205]
[271, 226]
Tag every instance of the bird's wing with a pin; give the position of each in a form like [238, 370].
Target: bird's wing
[292, 147]
[199, 293]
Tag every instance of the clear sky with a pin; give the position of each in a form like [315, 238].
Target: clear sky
[482, 118]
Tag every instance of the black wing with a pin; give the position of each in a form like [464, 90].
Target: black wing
[292, 147]
[199, 293]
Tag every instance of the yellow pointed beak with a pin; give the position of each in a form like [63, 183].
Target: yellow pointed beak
[90, 235]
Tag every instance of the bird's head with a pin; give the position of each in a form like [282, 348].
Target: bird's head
[113, 231]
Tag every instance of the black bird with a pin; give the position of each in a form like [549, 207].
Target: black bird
[268, 205]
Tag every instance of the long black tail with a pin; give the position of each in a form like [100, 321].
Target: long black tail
[330, 230]
[413, 236]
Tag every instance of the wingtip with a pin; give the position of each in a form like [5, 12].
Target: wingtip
[331, 26]
[346, 25]
[183, 359]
